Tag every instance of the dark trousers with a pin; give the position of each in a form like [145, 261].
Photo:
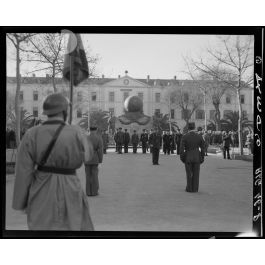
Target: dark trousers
[155, 155]
[192, 173]
[119, 148]
[92, 184]
[134, 148]
[144, 148]
[116, 147]
[104, 150]
[167, 150]
[125, 148]
[151, 149]
[226, 150]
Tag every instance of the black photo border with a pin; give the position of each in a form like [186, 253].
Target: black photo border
[257, 31]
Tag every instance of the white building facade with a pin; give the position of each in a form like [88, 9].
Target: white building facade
[109, 94]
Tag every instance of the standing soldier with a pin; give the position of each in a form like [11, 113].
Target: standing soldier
[226, 144]
[144, 140]
[92, 184]
[135, 141]
[166, 143]
[147, 144]
[115, 140]
[150, 139]
[178, 140]
[105, 138]
[155, 143]
[172, 142]
[192, 157]
[126, 141]
[46, 186]
[119, 140]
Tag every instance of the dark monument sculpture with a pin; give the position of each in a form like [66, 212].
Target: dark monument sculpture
[133, 108]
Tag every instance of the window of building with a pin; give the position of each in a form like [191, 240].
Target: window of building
[79, 96]
[212, 113]
[242, 99]
[199, 115]
[228, 99]
[125, 95]
[185, 114]
[35, 112]
[226, 112]
[21, 96]
[94, 96]
[245, 114]
[186, 97]
[157, 112]
[172, 113]
[35, 95]
[111, 110]
[111, 96]
[79, 113]
[141, 95]
[157, 97]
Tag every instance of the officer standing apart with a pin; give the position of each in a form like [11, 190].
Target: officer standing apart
[135, 141]
[144, 140]
[126, 140]
[92, 183]
[155, 143]
[178, 140]
[192, 154]
[46, 186]
[119, 140]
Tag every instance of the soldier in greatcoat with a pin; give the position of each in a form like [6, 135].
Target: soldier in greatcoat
[46, 186]
[144, 140]
[115, 140]
[126, 140]
[226, 144]
[155, 143]
[135, 141]
[91, 167]
[192, 154]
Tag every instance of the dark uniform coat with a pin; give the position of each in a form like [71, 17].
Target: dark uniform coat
[144, 140]
[52, 201]
[155, 143]
[119, 141]
[192, 154]
[135, 142]
[126, 141]
[105, 138]
[92, 183]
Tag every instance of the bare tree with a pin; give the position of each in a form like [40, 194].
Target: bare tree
[236, 58]
[212, 89]
[18, 40]
[188, 100]
[48, 50]
[170, 99]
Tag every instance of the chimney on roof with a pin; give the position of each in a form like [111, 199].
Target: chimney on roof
[103, 76]
[175, 77]
[33, 75]
[147, 79]
[126, 72]
[119, 76]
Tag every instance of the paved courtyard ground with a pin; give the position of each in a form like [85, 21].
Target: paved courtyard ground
[137, 196]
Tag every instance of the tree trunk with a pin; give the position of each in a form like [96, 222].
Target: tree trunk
[240, 140]
[53, 78]
[17, 103]
[217, 116]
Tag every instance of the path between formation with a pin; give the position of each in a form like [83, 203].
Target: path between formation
[138, 196]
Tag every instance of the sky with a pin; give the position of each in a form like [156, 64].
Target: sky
[159, 56]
